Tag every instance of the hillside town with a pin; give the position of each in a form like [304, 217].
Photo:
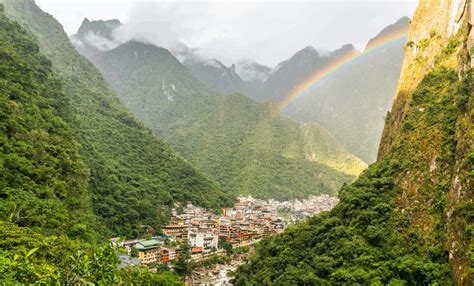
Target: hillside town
[204, 233]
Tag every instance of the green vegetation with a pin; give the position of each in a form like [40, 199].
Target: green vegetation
[241, 249]
[244, 145]
[134, 178]
[450, 48]
[361, 241]
[213, 260]
[43, 180]
[30, 258]
[390, 225]
[184, 265]
[228, 248]
[49, 234]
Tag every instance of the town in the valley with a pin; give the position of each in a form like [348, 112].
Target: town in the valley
[203, 234]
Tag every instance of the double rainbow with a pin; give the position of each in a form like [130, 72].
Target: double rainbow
[340, 62]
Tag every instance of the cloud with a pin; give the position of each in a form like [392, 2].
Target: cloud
[267, 32]
[164, 24]
[99, 42]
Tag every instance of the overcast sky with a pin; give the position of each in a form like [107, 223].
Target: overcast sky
[267, 32]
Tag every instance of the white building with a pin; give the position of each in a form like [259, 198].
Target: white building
[204, 239]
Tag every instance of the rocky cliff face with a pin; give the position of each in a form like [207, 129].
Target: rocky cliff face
[433, 113]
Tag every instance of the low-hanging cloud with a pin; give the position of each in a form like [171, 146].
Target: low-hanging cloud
[265, 32]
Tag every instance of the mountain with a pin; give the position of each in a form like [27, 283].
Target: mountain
[212, 72]
[291, 72]
[134, 177]
[352, 101]
[408, 219]
[251, 71]
[95, 36]
[98, 36]
[246, 146]
[348, 103]
[245, 76]
[49, 233]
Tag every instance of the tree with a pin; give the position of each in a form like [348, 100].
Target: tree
[227, 246]
[134, 252]
[183, 265]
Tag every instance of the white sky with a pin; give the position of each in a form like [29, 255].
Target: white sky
[266, 31]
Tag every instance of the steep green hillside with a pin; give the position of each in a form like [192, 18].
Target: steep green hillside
[244, 145]
[46, 219]
[134, 178]
[409, 218]
[43, 180]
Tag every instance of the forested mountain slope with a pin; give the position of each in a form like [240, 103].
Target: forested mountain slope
[409, 218]
[134, 178]
[48, 231]
[246, 146]
[43, 179]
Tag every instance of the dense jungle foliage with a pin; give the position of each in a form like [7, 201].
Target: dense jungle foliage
[48, 232]
[43, 180]
[134, 177]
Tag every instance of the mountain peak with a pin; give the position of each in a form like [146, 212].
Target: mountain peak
[400, 26]
[307, 51]
[343, 50]
[95, 36]
[251, 71]
[103, 28]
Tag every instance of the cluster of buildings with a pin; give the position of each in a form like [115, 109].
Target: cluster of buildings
[205, 232]
[296, 210]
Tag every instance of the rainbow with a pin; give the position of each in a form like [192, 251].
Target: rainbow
[332, 67]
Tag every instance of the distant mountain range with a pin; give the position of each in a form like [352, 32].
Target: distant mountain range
[351, 105]
[245, 145]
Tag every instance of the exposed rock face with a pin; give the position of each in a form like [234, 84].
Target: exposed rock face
[440, 37]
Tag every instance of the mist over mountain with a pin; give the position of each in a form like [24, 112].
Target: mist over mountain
[252, 72]
[212, 72]
[95, 36]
